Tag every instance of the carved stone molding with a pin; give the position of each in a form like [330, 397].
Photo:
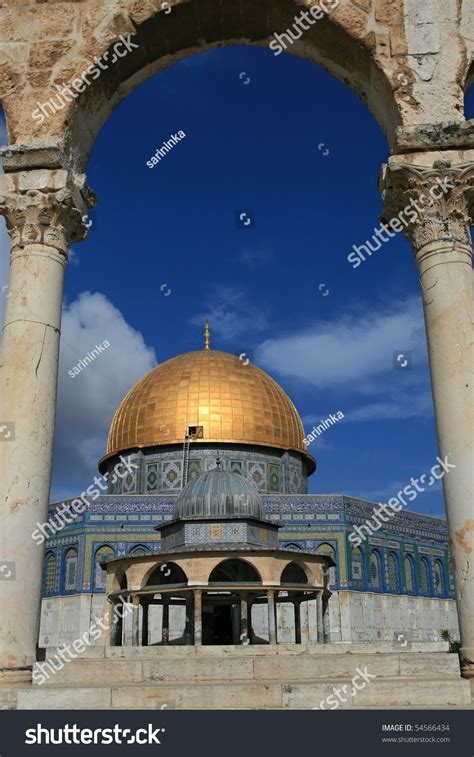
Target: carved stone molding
[437, 202]
[45, 207]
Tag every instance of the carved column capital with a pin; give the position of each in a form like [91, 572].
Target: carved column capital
[46, 207]
[437, 202]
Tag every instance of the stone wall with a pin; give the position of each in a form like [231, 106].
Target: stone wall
[354, 617]
[409, 60]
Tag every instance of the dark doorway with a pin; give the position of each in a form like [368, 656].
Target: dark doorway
[217, 624]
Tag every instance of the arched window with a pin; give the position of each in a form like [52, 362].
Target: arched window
[70, 570]
[392, 571]
[293, 546]
[139, 550]
[100, 576]
[327, 549]
[374, 570]
[424, 576]
[51, 574]
[234, 571]
[293, 574]
[438, 572]
[409, 573]
[357, 567]
[167, 573]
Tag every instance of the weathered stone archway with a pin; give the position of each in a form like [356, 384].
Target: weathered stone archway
[409, 59]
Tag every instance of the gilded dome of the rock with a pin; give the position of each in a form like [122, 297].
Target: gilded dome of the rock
[233, 403]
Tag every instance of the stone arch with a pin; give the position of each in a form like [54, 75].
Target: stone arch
[380, 61]
[330, 551]
[163, 574]
[293, 546]
[375, 570]
[439, 578]
[139, 550]
[293, 573]
[409, 574]
[234, 570]
[343, 43]
[393, 574]
[357, 563]
[70, 571]
[102, 553]
[51, 573]
[425, 579]
[119, 581]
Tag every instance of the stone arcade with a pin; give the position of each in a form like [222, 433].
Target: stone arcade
[411, 61]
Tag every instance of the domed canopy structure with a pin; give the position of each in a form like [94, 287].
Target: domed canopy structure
[216, 494]
[228, 400]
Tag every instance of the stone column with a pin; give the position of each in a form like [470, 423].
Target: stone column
[297, 609]
[244, 630]
[165, 620]
[114, 625]
[443, 253]
[319, 616]
[272, 633]
[188, 633]
[145, 610]
[197, 617]
[136, 621]
[44, 212]
[326, 624]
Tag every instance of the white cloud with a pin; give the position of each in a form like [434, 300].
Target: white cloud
[404, 405]
[348, 351]
[87, 402]
[356, 354]
[230, 314]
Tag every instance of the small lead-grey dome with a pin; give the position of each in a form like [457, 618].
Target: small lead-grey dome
[218, 493]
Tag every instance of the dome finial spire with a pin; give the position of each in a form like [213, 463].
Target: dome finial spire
[207, 336]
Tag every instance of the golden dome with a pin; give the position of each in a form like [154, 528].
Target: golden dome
[233, 402]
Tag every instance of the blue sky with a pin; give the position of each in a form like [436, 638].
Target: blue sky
[286, 143]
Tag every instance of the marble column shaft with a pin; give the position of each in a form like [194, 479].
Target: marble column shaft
[443, 252]
[44, 212]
